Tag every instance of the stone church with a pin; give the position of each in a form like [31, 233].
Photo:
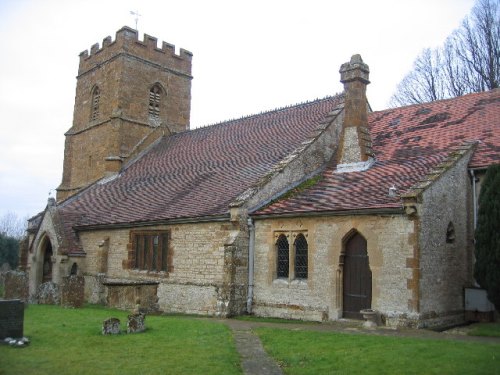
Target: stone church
[314, 211]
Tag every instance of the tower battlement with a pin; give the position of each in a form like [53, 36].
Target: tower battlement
[127, 42]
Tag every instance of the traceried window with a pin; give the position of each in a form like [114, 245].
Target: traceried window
[151, 250]
[291, 263]
[154, 102]
[283, 256]
[300, 257]
[96, 97]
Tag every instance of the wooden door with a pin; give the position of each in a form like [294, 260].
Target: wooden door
[357, 278]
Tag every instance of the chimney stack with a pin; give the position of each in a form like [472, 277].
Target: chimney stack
[355, 151]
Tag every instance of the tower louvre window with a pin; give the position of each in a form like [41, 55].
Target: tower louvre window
[154, 102]
[96, 97]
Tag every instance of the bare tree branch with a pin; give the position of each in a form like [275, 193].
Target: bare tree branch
[468, 62]
[13, 226]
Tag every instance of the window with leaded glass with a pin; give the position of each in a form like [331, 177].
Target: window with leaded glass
[300, 257]
[151, 250]
[96, 97]
[283, 251]
[154, 102]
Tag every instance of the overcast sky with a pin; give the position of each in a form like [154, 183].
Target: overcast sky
[249, 56]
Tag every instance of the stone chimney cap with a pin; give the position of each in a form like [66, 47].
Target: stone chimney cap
[355, 69]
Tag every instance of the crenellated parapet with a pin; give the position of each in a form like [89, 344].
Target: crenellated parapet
[127, 43]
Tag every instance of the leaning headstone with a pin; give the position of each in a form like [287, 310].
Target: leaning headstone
[48, 294]
[16, 286]
[11, 318]
[72, 291]
[111, 326]
[136, 320]
[136, 323]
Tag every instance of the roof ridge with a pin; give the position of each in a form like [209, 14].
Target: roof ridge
[266, 112]
[438, 101]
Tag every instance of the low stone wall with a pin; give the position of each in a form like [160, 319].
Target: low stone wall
[290, 312]
[190, 299]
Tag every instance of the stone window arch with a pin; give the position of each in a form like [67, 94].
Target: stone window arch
[292, 256]
[96, 98]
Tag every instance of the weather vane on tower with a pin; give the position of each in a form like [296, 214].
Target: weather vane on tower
[137, 15]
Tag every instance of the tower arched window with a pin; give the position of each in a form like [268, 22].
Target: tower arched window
[155, 96]
[96, 97]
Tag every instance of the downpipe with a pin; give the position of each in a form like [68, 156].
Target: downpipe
[251, 252]
[474, 198]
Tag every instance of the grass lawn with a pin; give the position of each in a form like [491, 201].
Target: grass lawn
[485, 329]
[69, 341]
[306, 352]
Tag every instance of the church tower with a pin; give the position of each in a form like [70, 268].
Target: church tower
[128, 94]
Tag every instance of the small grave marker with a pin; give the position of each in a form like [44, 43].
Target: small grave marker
[111, 326]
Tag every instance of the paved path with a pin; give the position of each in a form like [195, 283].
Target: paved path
[255, 360]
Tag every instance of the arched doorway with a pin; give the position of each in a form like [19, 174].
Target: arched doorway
[357, 277]
[47, 253]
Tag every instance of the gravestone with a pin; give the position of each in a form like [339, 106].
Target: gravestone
[135, 323]
[48, 294]
[111, 326]
[16, 285]
[72, 291]
[11, 318]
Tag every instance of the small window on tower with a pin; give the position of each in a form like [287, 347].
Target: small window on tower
[450, 233]
[96, 97]
[154, 103]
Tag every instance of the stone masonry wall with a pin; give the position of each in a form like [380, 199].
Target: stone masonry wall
[445, 258]
[196, 281]
[125, 70]
[389, 244]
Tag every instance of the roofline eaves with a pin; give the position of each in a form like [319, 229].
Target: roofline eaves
[187, 220]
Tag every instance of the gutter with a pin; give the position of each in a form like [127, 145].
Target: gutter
[191, 220]
[369, 211]
[251, 253]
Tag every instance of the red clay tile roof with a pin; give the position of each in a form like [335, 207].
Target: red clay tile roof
[197, 173]
[408, 142]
